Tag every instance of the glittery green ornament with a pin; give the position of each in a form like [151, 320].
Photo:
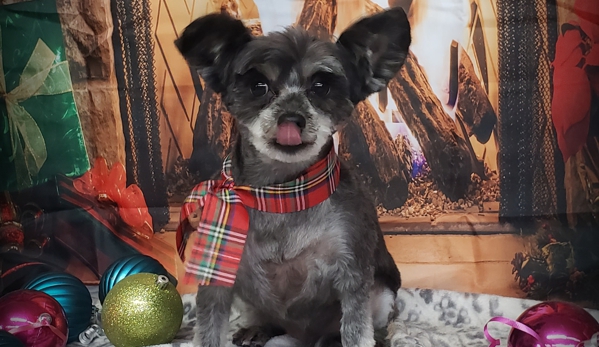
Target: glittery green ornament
[142, 309]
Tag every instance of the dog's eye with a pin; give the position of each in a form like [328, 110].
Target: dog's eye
[320, 89]
[259, 89]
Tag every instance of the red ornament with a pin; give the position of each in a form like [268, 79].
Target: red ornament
[11, 237]
[34, 317]
[11, 231]
[551, 324]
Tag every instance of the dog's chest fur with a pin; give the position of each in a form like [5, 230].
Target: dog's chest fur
[290, 260]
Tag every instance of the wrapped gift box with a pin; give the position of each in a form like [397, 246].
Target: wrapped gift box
[94, 232]
[40, 129]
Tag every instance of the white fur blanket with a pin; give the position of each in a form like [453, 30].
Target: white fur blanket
[428, 318]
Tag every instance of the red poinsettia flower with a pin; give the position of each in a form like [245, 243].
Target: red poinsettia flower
[576, 50]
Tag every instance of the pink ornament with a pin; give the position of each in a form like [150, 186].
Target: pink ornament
[551, 324]
[34, 317]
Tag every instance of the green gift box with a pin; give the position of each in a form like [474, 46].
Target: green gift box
[40, 130]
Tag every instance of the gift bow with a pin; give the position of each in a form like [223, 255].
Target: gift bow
[42, 75]
[111, 186]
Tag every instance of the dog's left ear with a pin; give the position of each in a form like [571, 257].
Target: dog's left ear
[376, 48]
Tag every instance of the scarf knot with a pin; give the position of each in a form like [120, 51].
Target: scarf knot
[224, 218]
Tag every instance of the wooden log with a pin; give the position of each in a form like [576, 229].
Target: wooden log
[405, 4]
[383, 164]
[319, 17]
[231, 7]
[473, 103]
[582, 185]
[254, 25]
[446, 152]
[478, 166]
[211, 136]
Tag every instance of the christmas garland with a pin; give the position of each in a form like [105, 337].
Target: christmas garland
[561, 264]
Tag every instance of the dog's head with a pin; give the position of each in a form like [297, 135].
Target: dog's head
[290, 91]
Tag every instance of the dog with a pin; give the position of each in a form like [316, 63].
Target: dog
[322, 275]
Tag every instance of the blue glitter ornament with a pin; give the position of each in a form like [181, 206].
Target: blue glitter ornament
[130, 265]
[9, 340]
[71, 294]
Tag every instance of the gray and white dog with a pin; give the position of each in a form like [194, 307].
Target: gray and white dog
[323, 275]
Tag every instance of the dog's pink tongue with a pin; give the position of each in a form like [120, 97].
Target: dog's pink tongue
[289, 134]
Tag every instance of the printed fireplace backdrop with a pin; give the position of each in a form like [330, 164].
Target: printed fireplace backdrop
[482, 154]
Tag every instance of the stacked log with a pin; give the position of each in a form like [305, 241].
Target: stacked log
[446, 152]
[473, 103]
[231, 7]
[319, 17]
[212, 136]
[380, 162]
[254, 25]
[405, 4]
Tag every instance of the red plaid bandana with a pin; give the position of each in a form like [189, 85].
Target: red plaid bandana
[224, 219]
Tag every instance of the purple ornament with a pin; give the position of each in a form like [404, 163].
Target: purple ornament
[550, 324]
[34, 317]
[557, 323]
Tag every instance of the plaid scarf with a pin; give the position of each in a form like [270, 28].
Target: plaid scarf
[224, 220]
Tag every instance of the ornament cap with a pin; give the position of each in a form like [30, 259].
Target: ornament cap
[45, 319]
[89, 334]
[162, 281]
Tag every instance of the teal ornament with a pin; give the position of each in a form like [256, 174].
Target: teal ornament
[9, 340]
[71, 294]
[130, 265]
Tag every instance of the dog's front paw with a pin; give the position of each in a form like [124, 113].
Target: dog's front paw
[199, 340]
[203, 338]
[366, 342]
[255, 336]
[360, 339]
[358, 335]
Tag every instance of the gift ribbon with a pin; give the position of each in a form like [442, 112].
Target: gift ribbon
[44, 320]
[42, 75]
[111, 186]
[593, 342]
[514, 324]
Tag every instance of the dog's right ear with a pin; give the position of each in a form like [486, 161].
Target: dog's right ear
[376, 47]
[210, 43]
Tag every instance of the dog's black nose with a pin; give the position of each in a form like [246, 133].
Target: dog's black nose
[295, 118]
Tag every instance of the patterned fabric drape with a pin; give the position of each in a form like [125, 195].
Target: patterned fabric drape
[527, 142]
[134, 63]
